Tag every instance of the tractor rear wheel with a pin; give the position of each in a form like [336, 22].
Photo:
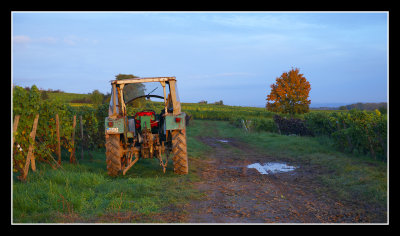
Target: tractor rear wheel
[113, 155]
[179, 151]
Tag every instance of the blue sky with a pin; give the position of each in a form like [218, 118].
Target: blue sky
[229, 56]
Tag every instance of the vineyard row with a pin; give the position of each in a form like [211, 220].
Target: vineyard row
[353, 131]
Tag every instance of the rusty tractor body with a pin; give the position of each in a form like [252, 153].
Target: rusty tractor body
[146, 134]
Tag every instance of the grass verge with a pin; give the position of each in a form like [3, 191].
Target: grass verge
[84, 193]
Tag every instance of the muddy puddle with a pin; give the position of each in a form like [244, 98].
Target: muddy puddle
[222, 140]
[272, 167]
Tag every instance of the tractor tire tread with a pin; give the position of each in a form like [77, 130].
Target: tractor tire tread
[179, 151]
[113, 155]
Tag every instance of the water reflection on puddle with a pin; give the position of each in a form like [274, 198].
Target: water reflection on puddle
[271, 167]
[222, 141]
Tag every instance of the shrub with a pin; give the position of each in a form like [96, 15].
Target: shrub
[291, 126]
[361, 131]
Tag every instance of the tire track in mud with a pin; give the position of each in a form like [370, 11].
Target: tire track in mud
[237, 194]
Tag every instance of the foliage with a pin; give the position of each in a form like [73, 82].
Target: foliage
[382, 106]
[132, 90]
[101, 112]
[254, 124]
[44, 95]
[353, 131]
[317, 123]
[383, 110]
[290, 93]
[321, 123]
[216, 112]
[125, 76]
[91, 136]
[350, 131]
[27, 104]
[220, 102]
[68, 97]
[86, 100]
[96, 97]
[93, 125]
[291, 126]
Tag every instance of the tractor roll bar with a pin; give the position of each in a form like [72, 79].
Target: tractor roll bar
[142, 80]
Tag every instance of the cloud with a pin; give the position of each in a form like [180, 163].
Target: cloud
[24, 39]
[48, 40]
[72, 40]
[264, 20]
[21, 39]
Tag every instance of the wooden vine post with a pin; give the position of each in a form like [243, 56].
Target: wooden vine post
[371, 148]
[15, 127]
[80, 121]
[30, 159]
[58, 140]
[72, 158]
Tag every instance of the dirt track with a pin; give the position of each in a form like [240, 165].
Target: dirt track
[237, 194]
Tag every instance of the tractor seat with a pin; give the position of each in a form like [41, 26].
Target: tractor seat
[152, 114]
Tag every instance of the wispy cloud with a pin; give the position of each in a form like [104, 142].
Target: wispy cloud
[271, 21]
[71, 40]
[21, 39]
[50, 40]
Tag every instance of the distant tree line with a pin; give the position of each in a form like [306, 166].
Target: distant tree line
[220, 102]
[95, 97]
[381, 106]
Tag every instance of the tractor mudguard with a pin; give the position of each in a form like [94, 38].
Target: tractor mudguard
[175, 122]
[115, 126]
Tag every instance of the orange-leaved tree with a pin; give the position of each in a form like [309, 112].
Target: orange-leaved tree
[289, 94]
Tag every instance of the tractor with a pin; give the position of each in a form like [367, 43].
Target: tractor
[145, 134]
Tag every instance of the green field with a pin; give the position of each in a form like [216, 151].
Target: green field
[196, 108]
[67, 97]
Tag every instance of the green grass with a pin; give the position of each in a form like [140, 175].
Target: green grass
[85, 193]
[194, 147]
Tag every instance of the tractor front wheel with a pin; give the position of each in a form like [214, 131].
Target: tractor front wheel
[179, 151]
[113, 154]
